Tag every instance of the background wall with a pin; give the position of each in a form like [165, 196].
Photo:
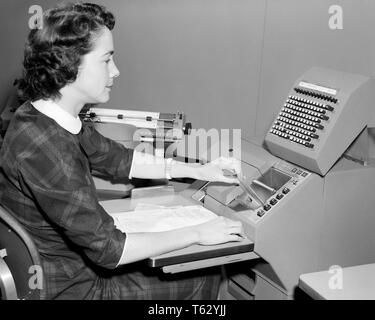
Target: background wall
[13, 30]
[297, 37]
[225, 63]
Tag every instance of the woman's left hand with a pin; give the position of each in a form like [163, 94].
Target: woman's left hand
[213, 171]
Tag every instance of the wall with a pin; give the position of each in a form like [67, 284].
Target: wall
[298, 32]
[200, 57]
[12, 35]
[225, 63]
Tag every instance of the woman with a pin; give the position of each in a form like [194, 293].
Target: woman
[47, 157]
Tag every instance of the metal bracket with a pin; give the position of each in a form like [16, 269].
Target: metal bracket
[7, 285]
[3, 253]
[358, 151]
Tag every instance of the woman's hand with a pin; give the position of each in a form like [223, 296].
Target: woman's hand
[213, 171]
[219, 230]
[143, 245]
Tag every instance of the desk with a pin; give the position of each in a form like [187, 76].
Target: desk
[358, 283]
[192, 257]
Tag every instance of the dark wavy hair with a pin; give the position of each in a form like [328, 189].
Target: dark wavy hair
[53, 53]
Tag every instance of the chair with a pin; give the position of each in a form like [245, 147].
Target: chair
[19, 261]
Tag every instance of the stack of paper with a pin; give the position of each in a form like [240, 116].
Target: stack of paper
[151, 218]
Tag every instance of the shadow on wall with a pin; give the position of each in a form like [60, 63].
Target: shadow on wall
[12, 102]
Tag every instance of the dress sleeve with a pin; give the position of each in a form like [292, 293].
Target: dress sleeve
[56, 177]
[105, 155]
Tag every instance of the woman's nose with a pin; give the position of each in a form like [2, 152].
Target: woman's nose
[115, 72]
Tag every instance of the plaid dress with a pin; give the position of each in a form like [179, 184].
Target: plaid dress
[45, 179]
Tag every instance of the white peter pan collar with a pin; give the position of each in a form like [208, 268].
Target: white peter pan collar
[62, 117]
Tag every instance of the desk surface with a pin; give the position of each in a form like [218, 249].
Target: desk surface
[356, 283]
[189, 254]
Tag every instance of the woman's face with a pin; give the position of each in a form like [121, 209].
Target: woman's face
[97, 71]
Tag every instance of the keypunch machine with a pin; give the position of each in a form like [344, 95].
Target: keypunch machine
[315, 179]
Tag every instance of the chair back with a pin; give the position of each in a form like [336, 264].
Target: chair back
[21, 275]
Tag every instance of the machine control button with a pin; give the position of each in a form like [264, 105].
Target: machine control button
[286, 190]
[304, 174]
[266, 207]
[309, 145]
[273, 201]
[294, 170]
[279, 196]
[261, 213]
[299, 172]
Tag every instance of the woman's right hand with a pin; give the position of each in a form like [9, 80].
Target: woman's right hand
[219, 230]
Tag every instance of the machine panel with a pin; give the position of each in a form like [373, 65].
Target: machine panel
[323, 113]
[314, 200]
